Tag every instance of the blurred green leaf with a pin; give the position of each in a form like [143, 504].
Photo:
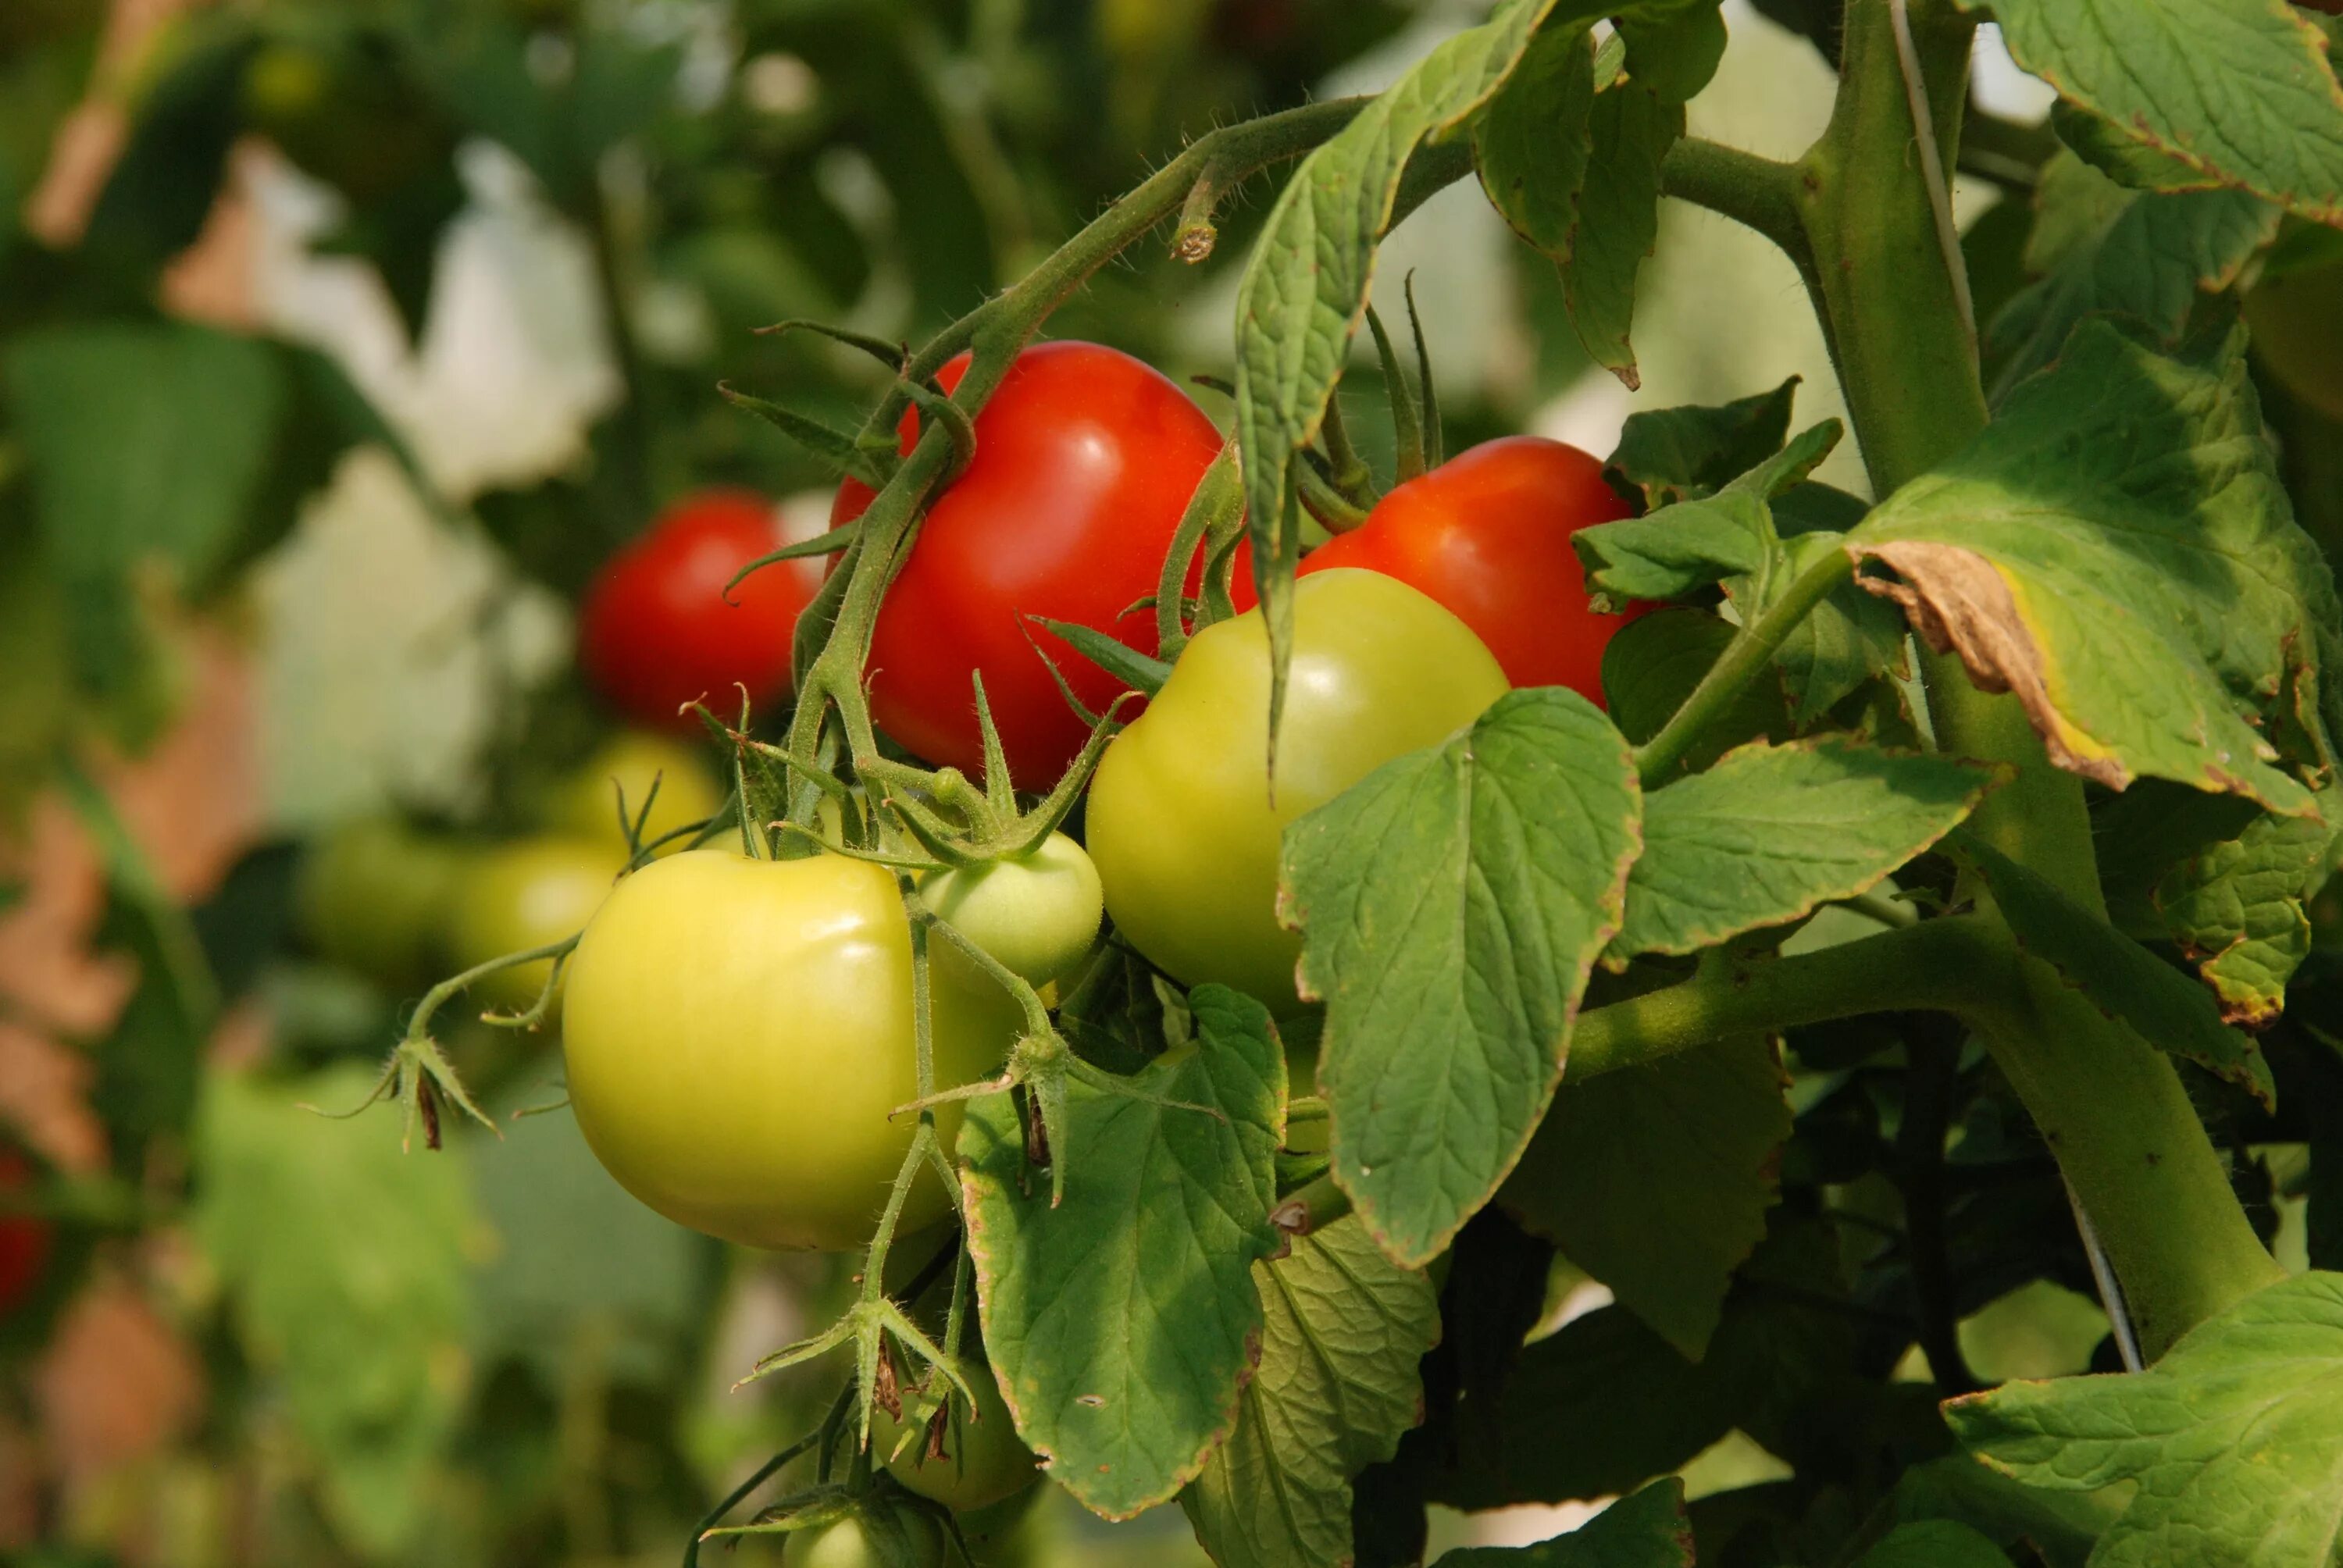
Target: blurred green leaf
[1645, 1529]
[344, 1264]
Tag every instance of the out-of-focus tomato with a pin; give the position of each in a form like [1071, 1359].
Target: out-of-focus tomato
[983, 1463]
[1085, 459]
[656, 631]
[525, 894]
[24, 1240]
[374, 897]
[586, 803]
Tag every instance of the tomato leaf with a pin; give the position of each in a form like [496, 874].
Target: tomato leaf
[1656, 1182]
[2060, 1527]
[2115, 550]
[1677, 454]
[2233, 1439]
[1336, 1386]
[1139, 671]
[1305, 290]
[1677, 549]
[2145, 255]
[1655, 661]
[1123, 1322]
[1646, 1530]
[344, 1264]
[2123, 979]
[1771, 833]
[2237, 907]
[1452, 904]
[2143, 76]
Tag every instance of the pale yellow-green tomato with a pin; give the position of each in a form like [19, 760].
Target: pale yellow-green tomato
[375, 896]
[736, 1032]
[899, 1538]
[527, 893]
[1182, 823]
[588, 803]
[1039, 915]
[983, 1460]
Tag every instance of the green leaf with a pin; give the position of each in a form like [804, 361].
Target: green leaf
[1670, 553]
[2233, 1439]
[1343, 1329]
[2240, 91]
[1452, 904]
[1653, 662]
[1656, 1182]
[1140, 672]
[160, 192]
[2115, 551]
[1646, 1530]
[1934, 1544]
[1305, 290]
[2146, 255]
[1576, 173]
[1848, 638]
[2061, 1527]
[1123, 1322]
[2133, 164]
[2237, 907]
[1674, 47]
[1771, 833]
[2121, 979]
[1672, 454]
[343, 1262]
[582, 1279]
[145, 441]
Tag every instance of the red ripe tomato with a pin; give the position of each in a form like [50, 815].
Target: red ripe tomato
[1085, 459]
[1487, 533]
[656, 630]
[24, 1240]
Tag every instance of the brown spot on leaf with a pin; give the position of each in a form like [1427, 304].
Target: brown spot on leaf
[1958, 602]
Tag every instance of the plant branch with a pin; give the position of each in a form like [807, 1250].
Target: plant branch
[1751, 650]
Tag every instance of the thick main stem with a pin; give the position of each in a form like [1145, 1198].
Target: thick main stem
[2111, 1106]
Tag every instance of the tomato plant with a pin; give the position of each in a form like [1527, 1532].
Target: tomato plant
[2297, 326]
[659, 628]
[1184, 822]
[899, 1539]
[1084, 460]
[527, 893]
[738, 1034]
[1487, 533]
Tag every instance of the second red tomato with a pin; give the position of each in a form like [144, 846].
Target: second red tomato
[1487, 533]
[1085, 459]
[658, 630]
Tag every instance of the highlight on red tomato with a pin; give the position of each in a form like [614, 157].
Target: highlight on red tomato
[1085, 459]
[658, 630]
[24, 1239]
[1488, 535]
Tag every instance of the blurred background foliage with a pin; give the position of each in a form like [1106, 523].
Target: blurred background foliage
[340, 342]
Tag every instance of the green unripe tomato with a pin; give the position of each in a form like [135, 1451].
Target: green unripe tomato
[983, 1463]
[899, 1538]
[738, 1032]
[374, 896]
[586, 804]
[2297, 327]
[1181, 821]
[525, 894]
[1039, 915]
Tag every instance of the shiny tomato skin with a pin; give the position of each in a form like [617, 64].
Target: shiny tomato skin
[656, 629]
[25, 1241]
[1039, 916]
[1085, 459]
[735, 1033]
[1181, 824]
[1487, 533]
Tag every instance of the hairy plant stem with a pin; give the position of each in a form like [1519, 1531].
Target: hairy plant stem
[2111, 1106]
[994, 333]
